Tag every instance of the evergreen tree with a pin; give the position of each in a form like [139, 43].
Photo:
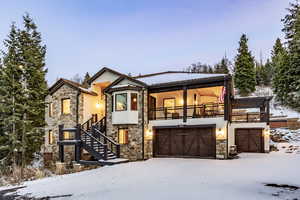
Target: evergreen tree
[266, 73]
[32, 58]
[244, 69]
[11, 98]
[222, 67]
[22, 93]
[291, 91]
[85, 80]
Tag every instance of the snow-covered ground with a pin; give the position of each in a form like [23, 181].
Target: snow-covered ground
[174, 178]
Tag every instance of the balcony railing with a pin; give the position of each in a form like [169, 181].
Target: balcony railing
[193, 111]
[248, 117]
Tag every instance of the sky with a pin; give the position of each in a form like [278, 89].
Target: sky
[139, 36]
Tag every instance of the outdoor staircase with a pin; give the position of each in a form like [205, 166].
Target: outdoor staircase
[91, 136]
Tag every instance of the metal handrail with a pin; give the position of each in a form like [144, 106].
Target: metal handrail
[107, 138]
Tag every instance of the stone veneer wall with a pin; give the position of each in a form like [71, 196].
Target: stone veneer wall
[221, 151]
[68, 120]
[134, 149]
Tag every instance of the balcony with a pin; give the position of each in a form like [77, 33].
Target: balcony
[193, 111]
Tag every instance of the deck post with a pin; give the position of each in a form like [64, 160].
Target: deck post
[61, 146]
[78, 144]
[184, 104]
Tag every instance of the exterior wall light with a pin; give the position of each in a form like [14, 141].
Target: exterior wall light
[148, 134]
[220, 133]
[267, 132]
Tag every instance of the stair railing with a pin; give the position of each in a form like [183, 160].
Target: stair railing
[101, 124]
[91, 140]
[111, 144]
[88, 124]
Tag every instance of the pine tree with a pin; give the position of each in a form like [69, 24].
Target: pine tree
[291, 91]
[11, 98]
[32, 58]
[266, 73]
[244, 69]
[222, 67]
[22, 93]
[85, 80]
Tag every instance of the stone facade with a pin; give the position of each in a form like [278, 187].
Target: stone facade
[57, 118]
[134, 149]
[221, 148]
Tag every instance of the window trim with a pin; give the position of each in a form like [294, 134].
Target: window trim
[62, 106]
[131, 93]
[116, 101]
[126, 136]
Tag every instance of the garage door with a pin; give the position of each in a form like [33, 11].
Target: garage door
[185, 142]
[249, 140]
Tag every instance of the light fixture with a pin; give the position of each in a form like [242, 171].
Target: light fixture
[220, 133]
[149, 134]
[98, 105]
[267, 132]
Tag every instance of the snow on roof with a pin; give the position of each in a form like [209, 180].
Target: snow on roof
[173, 77]
[123, 85]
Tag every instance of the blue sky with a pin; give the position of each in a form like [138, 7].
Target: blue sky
[145, 36]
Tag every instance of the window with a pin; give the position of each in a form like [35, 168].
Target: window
[66, 103]
[68, 135]
[123, 136]
[121, 102]
[50, 109]
[133, 101]
[50, 137]
[169, 103]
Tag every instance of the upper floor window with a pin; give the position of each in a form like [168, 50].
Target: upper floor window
[50, 137]
[65, 106]
[121, 102]
[133, 101]
[50, 109]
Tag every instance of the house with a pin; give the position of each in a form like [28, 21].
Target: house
[167, 114]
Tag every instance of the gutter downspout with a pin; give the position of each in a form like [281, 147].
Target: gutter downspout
[143, 128]
[77, 107]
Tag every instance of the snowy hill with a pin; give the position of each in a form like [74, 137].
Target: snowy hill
[275, 108]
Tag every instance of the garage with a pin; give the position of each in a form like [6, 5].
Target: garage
[185, 142]
[249, 140]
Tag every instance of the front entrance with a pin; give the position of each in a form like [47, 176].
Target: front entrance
[185, 142]
[249, 140]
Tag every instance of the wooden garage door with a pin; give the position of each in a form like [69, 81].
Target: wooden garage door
[185, 142]
[249, 140]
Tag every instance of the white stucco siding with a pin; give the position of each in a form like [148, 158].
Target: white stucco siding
[218, 121]
[233, 126]
[128, 82]
[125, 117]
[92, 105]
[106, 77]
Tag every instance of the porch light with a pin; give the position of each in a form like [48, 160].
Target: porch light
[267, 132]
[220, 133]
[98, 105]
[148, 134]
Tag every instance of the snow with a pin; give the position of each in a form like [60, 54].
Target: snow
[173, 77]
[276, 109]
[175, 178]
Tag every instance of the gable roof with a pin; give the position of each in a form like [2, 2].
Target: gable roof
[71, 84]
[121, 79]
[99, 73]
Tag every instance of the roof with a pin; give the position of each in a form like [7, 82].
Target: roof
[99, 73]
[250, 102]
[72, 84]
[114, 84]
[173, 76]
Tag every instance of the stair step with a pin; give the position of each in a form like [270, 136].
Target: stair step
[113, 161]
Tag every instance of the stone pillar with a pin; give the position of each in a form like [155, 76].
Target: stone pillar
[221, 152]
[60, 168]
[77, 167]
